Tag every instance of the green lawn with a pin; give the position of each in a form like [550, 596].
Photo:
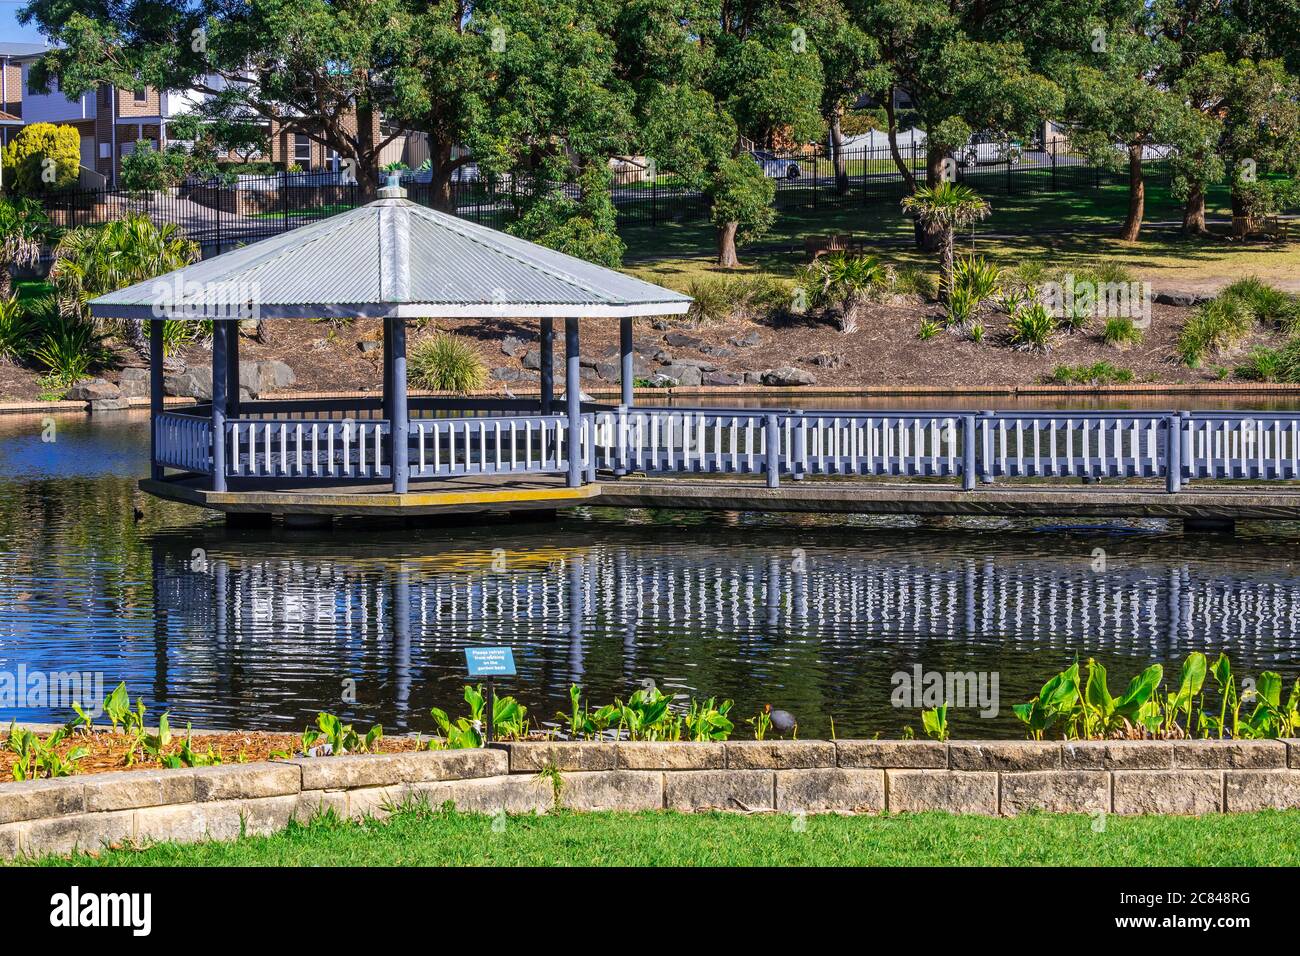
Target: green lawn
[422, 837]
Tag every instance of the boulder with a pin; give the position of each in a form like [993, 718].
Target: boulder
[505, 373]
[513, 346]
[722, 378]
[702, 365]
[748, 340]
[94, 390]
[109, 405]
[533, 359]
[663, 357]
[368, 345]
[258, 378]
[192, 382]
[1182, 298]
[721, 351]
[134, 382]
[687, 375]
[660, 380]
[609, 371]
[682, 340]
[753, 378]
[788, 375]
[248, 328]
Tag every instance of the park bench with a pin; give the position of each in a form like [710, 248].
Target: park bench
[1273, 227]
[815, 246]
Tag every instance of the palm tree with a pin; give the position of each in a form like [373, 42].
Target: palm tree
[92, 261]
[23, 227]
[946, 207]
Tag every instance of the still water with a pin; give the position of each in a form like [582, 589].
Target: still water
[261, 629]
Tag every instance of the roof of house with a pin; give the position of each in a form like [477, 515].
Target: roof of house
[394, 258]
[22, 49]
[8, 119]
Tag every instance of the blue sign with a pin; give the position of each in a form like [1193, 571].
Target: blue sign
[490, 661]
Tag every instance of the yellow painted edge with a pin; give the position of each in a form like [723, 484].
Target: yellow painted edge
[200, 496]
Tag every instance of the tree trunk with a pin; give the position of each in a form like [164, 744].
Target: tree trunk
[727, 245]
[837, 155]
[135, 337]
[1137, 194]
[904, 169]
[947, 262]
[1194, 212]
[6, 281]
[441, 173]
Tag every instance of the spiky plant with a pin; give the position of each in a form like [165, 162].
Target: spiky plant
[946, 207]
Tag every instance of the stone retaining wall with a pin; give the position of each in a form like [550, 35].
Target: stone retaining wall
[814, 776]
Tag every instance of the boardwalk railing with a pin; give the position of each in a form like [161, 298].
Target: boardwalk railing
[298, 440]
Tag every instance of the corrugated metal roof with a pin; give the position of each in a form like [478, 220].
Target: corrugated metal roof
[22, 49]
[391, 257]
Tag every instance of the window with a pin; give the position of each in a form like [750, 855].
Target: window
[31, 84]
[302, 149]
[142, 95]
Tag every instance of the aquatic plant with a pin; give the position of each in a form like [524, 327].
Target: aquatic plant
[339, 738]
[935, 721]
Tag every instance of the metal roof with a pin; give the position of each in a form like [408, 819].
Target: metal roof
[22, 49]
[391, 257]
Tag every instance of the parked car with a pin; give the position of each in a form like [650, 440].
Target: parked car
[774, 167]
[986, 148]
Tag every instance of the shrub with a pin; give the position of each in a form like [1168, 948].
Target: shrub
[42, 158]
[584, 227]
[146, 168]
[928, 330]
[1120, 331]
[445, 363]
[719, 299]
[1031, 328]
[1030, 273]
[1099, 373]
[1263, 365]
[1269, 304]
[963, 305]
[23, 227]
[979, 277]
[912, 281]
[840, 283]
[70, 346]
[16, 330]
[977, 332]
[1213, 327]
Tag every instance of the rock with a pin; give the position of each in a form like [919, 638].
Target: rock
[753, 378]
[684, 374]
[892, 754]
[1073, 791]
[192, 382]
[749, 340]
[830, 791]
[912, 791]
[368, 345]
[660, 380]
[721, 378]
[248, 328]
[134, 382]
[513, 346]
[1181, 298]
[827, 360]
[663, 357]
[267, 376]
[93, 390]
[702, 365]
[788, 375]
[504, 374]
[587, 361]
[661, 324]
[109, 405]
[1167, 791]
[682, 340]
[608, 371]
[533, 359]
[721, 351]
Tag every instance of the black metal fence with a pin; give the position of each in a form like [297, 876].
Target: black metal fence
[220, 215]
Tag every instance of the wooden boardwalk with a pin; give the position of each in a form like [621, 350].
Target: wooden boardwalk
[479, 494]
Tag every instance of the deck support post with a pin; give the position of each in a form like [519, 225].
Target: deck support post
[968, 453]
[232, 368]
[573, 401]
[387, 396]
[1173, 454]
[626, 378]
[155, 394]
[398, 419]
[220, 336]
[547, 351]
[773, 458]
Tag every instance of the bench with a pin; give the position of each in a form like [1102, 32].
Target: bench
[815, 246]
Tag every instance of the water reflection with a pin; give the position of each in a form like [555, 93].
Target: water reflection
[262, 629]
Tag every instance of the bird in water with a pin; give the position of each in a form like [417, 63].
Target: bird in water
[783, 722]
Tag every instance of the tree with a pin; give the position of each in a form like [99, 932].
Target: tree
[324, 68]
[92, 261]
[945, 208]
[43, 158]
[23, 228]
[585, 227]
[215, 132]
[708, 75]
[740, 205]
[146, 168]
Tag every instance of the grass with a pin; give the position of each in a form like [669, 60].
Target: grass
[1060, 231]
[446, 363]
[422, 837]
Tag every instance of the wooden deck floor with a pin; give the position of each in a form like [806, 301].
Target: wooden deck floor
[478, 494]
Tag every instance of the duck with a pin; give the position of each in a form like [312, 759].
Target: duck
[783, 722]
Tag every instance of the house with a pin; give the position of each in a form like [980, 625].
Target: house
[11, 86]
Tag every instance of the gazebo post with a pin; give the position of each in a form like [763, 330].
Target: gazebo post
[573, 399]
[625, 355]
[155, 393]
[387, 394]
[397, 422]
[547, 350]
[232, 369]
[219, 381]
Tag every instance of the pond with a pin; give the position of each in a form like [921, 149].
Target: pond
[261, 629]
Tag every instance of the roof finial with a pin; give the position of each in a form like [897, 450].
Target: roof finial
[392, 189]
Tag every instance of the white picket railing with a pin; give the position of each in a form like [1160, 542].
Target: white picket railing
[1046, 444]
[517, 444]
[183, 441]
[1255, 445]
[306, 449]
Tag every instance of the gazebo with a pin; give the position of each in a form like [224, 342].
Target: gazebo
[392, 260]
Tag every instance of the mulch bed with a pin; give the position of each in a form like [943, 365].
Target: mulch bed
[108, 750]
